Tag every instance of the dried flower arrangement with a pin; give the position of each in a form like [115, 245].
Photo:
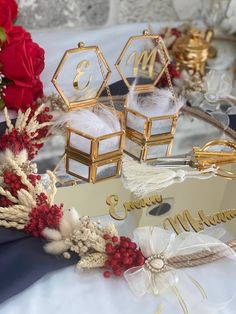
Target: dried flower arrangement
[26, 205]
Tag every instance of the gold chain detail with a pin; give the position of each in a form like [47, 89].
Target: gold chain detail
[106, 86]
[163, 61]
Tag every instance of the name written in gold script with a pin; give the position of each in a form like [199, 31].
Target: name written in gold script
[120, 214]
[80, 71]
[186, 222]
[146, 59]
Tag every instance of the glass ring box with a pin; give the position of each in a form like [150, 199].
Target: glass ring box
[88, 156]
[141, 65]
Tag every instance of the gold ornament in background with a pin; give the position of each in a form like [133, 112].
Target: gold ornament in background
[192, 50]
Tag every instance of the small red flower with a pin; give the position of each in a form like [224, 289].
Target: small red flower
[4, 202]
[17, 141]
[43, 215]
[12, 182]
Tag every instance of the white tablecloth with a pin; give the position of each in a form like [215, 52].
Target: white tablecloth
[69, 292]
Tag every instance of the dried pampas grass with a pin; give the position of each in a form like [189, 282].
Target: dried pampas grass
[81, 236]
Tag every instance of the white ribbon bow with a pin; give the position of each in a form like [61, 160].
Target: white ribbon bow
[157, 246]
[219, 86]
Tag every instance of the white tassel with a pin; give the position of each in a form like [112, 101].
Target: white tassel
[142, 179]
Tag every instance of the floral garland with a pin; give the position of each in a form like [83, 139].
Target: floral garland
[149, 263]
[18, 146]
[21, 62]
[25, 204]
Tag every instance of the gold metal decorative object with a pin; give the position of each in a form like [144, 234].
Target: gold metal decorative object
[192, 50]
[214, 155]
[115, 212]
[186, 222]
[141, 64]
[205, 158]
[85, 64]
[89, 75]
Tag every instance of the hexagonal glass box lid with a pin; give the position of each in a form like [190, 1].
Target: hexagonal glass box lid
[81, 76]
[143, 61]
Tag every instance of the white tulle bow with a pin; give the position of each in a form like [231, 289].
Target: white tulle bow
[218, 86]
[157, 246]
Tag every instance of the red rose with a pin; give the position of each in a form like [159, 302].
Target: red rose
[22, 62]
[17, 33]
[8, 13]
[18, 97]
[13, 7]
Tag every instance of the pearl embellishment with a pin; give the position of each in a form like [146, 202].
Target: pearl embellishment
[156, 263]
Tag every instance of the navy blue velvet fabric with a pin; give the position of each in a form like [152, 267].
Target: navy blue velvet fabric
[23, 261]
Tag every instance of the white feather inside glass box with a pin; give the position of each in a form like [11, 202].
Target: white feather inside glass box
[95, 132]
[151, 113]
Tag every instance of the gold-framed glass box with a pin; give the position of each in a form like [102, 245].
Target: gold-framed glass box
[87, 156]
[142, 64]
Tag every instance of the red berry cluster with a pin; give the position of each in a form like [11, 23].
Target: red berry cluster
[34, 178]
[43, 215]
[13, 182]
[17, 141]
[43, 117]
[122, 255]
[4, 202]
